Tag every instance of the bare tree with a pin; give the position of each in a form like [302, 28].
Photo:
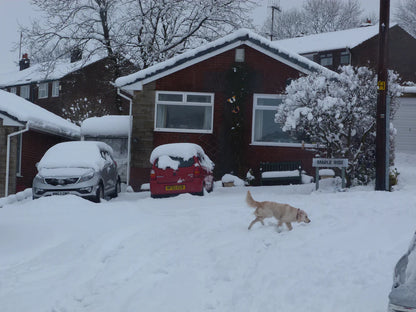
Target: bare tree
[147, 31]
[316, 16]
[160, 29]
[405, 14]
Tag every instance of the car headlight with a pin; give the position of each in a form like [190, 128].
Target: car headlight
[87, 176]
[38, 178]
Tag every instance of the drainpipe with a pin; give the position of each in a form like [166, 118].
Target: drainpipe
[130, 131]
[6, 188]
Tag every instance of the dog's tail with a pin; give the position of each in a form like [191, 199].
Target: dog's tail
[250, 201]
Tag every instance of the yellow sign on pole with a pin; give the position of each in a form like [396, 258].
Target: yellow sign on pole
[381, 85]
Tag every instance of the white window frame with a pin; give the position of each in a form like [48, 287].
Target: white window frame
[25, 91]
[55, 88]
[43, 90]
[13, 90]
[256, 96]
[184, 102]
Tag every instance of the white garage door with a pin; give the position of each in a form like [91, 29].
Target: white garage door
[405, 123]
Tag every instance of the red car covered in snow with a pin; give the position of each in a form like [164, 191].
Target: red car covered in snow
[180, 168]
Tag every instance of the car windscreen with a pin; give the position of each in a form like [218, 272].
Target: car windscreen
[173, 162]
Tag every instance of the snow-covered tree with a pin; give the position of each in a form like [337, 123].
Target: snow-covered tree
[405, 15]
[339, 114]
[314, 17]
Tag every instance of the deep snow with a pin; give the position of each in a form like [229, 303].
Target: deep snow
[191, 253]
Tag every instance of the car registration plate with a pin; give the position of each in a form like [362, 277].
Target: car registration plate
[174, 187]
[60, 193]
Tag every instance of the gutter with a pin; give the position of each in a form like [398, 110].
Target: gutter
[130, 132]
[6, 188]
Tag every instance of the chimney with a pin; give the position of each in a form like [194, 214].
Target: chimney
[24, 62]
[76, 55]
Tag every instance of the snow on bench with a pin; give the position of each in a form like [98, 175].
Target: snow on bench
[288, 172]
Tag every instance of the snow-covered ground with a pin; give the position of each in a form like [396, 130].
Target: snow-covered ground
[187, 253]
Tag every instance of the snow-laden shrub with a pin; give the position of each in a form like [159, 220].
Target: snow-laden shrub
[339, 113]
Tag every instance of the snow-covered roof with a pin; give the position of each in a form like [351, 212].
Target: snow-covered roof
[42, 72]
[335, 40]
[111, 125]
[18, 109]
[136, 80]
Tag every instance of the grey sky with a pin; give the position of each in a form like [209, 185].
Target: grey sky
[13, 12]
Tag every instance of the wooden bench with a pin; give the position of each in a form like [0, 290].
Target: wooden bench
[288, 172]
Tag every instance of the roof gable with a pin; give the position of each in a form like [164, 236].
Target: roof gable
[136, 80]
[335, 40]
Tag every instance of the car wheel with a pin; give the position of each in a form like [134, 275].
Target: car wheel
[210, 189]
[202, 191]
[117, 189]
[99, 194]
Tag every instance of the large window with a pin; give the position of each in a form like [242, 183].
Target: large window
[25, 92]
[265, 130]
[55, 88]
[184, 112]
[13, 90]
[43, 90]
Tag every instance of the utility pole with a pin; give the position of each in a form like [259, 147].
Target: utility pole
[273, 6]
[382, 159]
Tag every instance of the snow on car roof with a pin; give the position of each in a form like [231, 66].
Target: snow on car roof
[36, 116]
[76, 154]
[183, 150]
[110, 125]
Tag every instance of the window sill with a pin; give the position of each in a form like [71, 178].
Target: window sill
[281, 144]
[182, 130]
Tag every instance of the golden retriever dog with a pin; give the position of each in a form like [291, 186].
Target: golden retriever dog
[283, 213]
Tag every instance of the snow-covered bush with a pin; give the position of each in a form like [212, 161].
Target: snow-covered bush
[339, 114]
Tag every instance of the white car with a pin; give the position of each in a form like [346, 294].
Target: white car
[83, 168]
[402, 297]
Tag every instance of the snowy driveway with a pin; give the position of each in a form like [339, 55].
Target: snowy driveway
[187, 253]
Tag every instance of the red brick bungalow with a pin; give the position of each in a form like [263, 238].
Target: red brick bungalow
[222, 96]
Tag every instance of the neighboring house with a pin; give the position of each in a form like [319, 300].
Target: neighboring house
[357, 47]
[113, 130]
[26, 132]
[189, 98]
[73, 89]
